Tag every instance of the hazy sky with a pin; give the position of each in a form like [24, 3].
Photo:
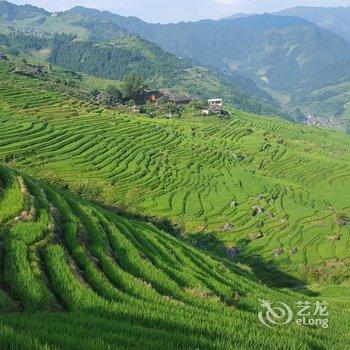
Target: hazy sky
[178, 10]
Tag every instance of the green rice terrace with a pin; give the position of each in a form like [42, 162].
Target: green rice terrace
[76, 276]
[274, 190]
[123, 231]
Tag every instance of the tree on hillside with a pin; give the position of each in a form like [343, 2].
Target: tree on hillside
[94, 93]
[163, 101]
[115, 96]
[150, 109]
[170, 107]
[133, 87]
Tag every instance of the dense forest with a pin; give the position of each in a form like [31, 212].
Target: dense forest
[114, 59]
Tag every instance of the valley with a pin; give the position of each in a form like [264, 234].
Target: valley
[173, 186]
[281, 54]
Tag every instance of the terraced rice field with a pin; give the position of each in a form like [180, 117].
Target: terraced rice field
[76, 276]
[271, 188]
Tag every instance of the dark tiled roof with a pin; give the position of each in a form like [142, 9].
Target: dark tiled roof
[180, 99]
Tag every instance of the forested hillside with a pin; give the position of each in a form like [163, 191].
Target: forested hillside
[289, 57]
[336, 19]
[260, 63]
[101, 48]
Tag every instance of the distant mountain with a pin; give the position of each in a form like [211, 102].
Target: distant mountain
[99, 47]
[289, 57]
[11, 12]
[256, 62]
[240, 15]
[264, 22]
[336, 19]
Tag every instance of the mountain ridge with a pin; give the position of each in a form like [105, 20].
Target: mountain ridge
[104, 39]
[336, 19]
[283, 55]
[276, 60]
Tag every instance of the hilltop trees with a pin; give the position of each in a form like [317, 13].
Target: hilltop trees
[133, 87]
[130, 93]
[115, 95]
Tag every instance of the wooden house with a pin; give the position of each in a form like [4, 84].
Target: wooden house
[181, 100]
[151, 96]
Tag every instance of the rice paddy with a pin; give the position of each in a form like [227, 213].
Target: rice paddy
[76, 276]
[271, 189]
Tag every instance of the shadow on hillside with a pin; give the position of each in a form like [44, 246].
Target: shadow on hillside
[265, 272]
[164, 224]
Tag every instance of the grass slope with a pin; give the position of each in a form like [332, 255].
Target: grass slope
[273, 189]
[76, 276]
